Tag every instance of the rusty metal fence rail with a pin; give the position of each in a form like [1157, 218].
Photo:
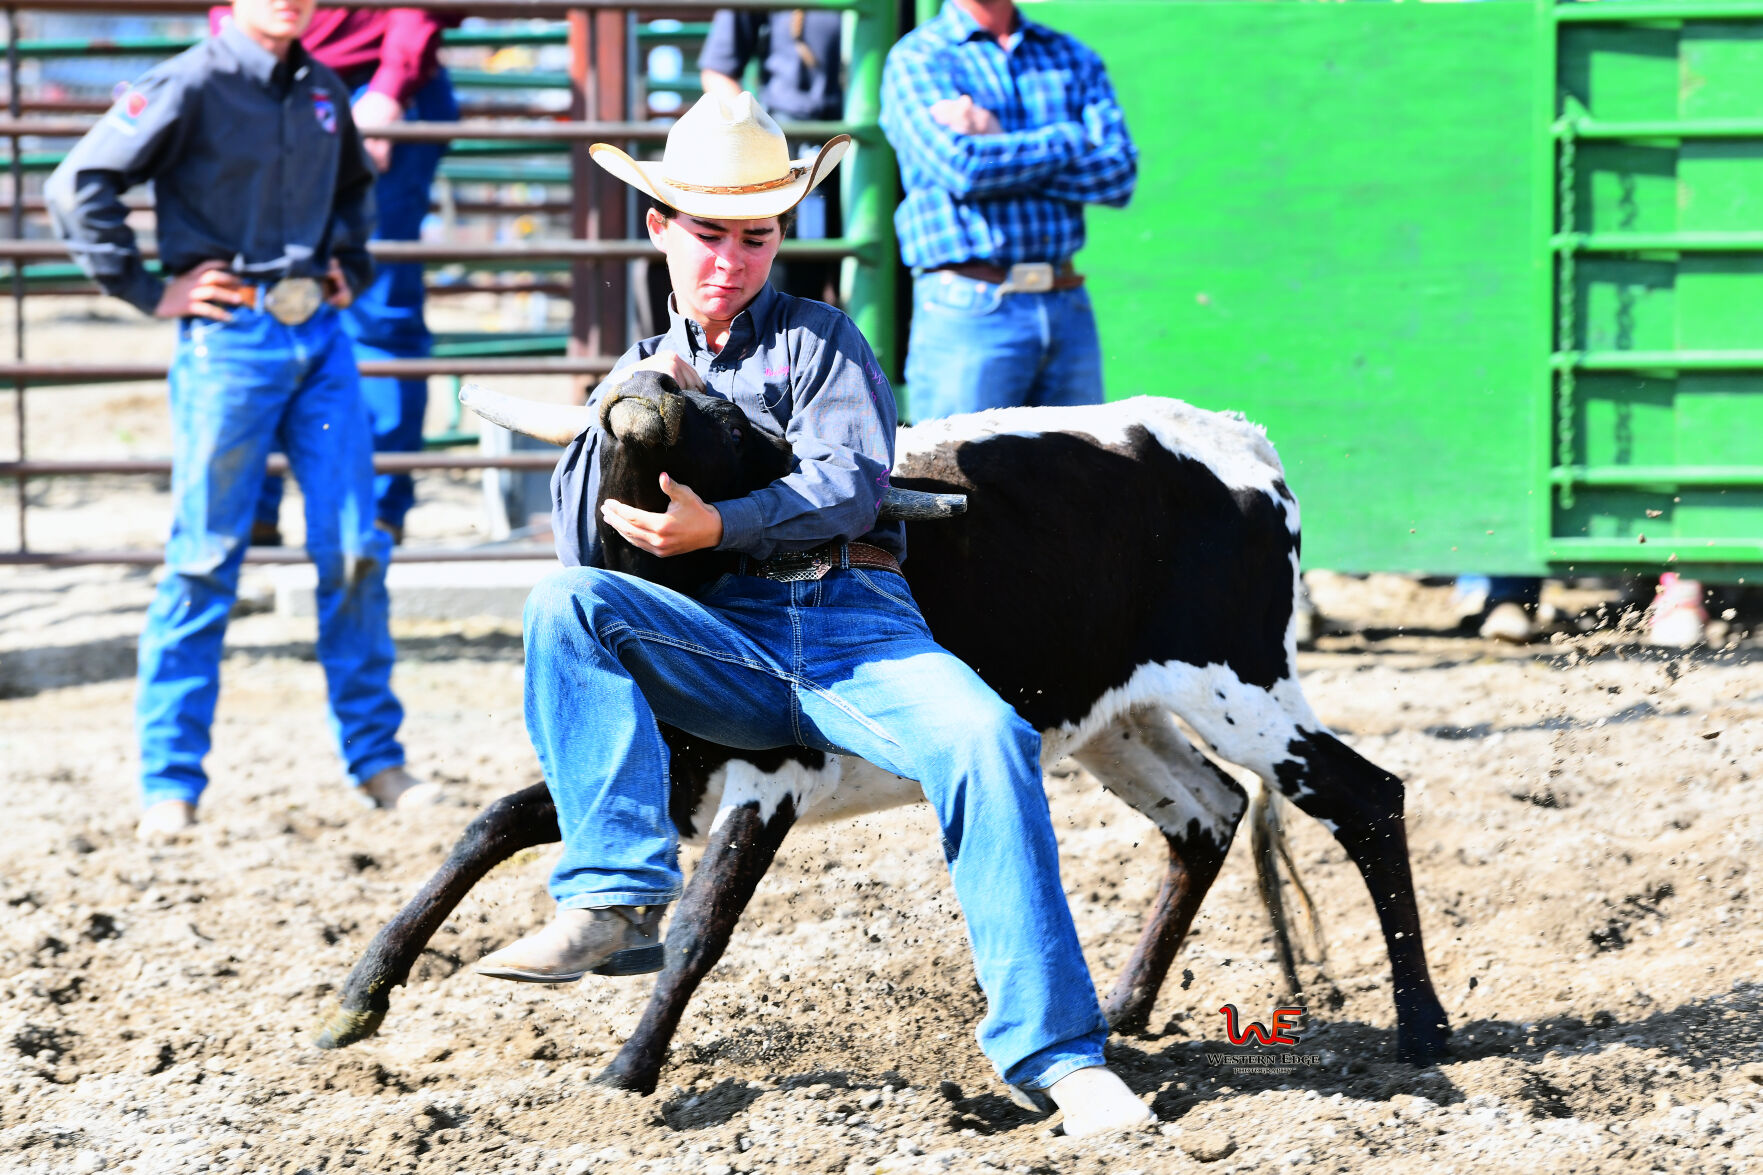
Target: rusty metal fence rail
[600, 36]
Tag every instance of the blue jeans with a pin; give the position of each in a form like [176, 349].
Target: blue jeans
[843, 664]
[973, 347]
[386, 318]
[238, 390]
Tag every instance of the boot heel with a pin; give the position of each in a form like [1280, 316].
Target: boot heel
[634, 961]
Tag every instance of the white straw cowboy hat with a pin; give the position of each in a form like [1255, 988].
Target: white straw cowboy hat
[726, 159]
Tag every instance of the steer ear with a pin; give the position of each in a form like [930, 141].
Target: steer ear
[916, 504]
[558, 423]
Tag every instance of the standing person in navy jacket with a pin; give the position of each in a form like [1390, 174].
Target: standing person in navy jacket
[264, 201]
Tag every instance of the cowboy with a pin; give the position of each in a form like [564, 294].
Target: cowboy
[842, 663]
[1004, 129]
[264, 204]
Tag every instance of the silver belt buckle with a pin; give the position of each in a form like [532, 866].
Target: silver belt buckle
[800, 566]
[1028, 277]
[293, 300]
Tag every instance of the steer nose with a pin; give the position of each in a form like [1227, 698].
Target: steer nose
[647, 417]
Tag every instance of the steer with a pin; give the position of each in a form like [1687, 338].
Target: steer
[1119, 562]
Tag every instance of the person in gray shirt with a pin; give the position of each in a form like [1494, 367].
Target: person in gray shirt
[801, 77]
[264, 201]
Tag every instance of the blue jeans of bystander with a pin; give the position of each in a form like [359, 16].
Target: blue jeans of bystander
[843, 664]
[239, 389]
[973, 347]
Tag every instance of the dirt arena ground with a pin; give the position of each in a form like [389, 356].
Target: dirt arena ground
[1583, 818]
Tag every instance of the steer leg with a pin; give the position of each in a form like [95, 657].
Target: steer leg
[1145, 760]
[512, 823]
[1362, 805]
[743, 843]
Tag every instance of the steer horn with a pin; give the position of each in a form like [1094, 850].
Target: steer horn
[916, 504]
[558, 423]
[562, 423]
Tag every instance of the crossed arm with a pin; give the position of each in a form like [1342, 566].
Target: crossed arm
[965, 150]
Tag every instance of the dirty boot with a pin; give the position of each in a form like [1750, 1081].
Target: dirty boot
[615, 940]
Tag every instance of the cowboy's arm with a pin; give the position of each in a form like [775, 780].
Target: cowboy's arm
[841, 433]
[140, 135]
[575, 483]
[962, 164]
[1107, 170]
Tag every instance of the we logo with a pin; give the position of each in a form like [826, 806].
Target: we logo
[1285, 1027]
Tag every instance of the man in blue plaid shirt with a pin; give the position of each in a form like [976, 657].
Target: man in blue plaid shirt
[1004, 130]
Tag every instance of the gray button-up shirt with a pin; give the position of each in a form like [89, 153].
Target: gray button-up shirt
[799, 369]
[254, 162]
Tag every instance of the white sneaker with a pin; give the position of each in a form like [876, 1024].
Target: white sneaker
[1097, 1101]
[614, 940]
[1508, 622]
[165, 821]
[1677, 619]
[394, 787]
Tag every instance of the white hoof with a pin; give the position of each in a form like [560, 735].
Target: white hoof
[1096, 1101]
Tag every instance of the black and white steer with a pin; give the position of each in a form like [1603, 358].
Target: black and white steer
[1118, 563]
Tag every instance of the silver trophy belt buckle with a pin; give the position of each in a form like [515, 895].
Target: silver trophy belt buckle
[293, 300]
[1029, 277]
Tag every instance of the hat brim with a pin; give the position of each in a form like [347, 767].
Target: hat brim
[647, 177]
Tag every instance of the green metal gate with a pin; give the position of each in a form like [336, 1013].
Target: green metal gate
[1491, 274]
[1659, 371]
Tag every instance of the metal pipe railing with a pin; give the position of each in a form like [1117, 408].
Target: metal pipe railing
[278, 463]
[516, 253]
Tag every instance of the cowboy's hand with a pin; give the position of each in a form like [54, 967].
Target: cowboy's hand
[670, 364]
[336, 287]
[690, 523]
[962, 116]
[374, 109]
[202, 292]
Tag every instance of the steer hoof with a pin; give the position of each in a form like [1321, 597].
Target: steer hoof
[344, 1027]
[1128, 1015]
[1425, 1046]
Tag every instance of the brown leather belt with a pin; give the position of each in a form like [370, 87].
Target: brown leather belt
[797, 566]
[1061, 278]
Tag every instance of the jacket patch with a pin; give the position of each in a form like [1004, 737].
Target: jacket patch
[125, 115]
[325, 110]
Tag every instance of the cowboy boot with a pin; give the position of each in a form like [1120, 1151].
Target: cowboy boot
[613, 940]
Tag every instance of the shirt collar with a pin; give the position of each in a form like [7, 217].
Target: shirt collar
[260, 64]
[960, 26]
[749, 325]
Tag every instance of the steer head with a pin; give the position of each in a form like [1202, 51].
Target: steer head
[650, 426]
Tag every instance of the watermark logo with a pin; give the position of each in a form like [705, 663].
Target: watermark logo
[1287, 1031]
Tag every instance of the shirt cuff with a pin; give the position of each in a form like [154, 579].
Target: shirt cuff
[741, 525]
[142, 291]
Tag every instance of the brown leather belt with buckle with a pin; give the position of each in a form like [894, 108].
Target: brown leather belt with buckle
[797, 566]
[1029, 277]
[291, 301]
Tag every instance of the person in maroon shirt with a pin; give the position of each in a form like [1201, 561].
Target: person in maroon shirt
[389, 58]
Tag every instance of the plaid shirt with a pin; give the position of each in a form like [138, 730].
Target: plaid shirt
[1015, 196]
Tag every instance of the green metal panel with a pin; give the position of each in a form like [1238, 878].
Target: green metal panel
[1341, 229]
[1665, 438]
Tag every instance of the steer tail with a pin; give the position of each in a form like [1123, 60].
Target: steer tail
[1267, 845]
